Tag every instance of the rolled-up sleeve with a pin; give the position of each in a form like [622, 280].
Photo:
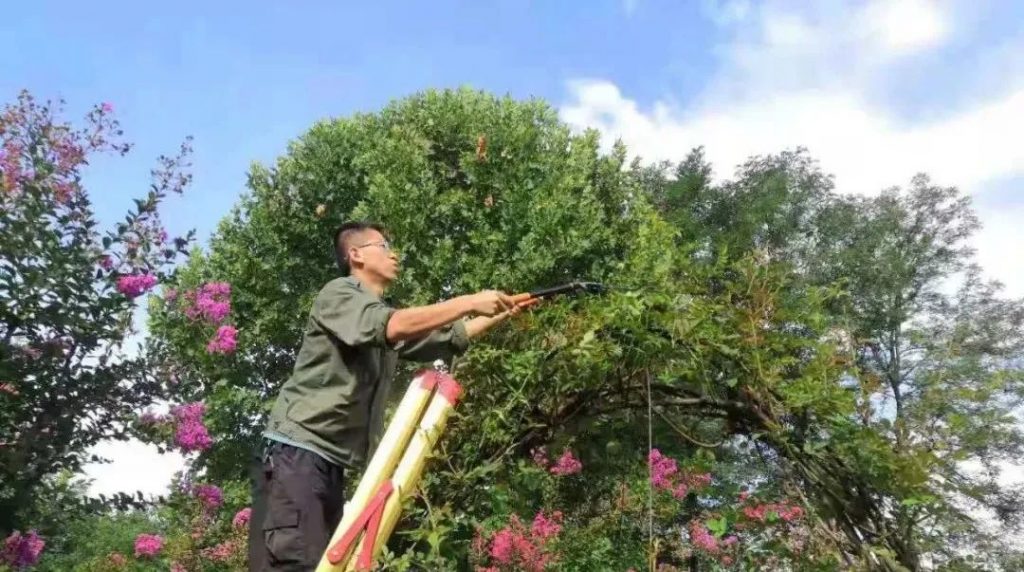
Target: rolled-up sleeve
[356, 318]
[442, 343]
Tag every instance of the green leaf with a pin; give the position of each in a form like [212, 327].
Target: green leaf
[717, 526]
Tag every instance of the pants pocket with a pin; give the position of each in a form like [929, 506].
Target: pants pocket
[283, 537]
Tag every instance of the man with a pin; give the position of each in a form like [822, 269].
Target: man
[329, 415]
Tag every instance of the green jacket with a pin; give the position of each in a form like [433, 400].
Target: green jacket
[333, 403]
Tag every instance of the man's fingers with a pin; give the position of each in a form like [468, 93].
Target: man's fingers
[506, 300]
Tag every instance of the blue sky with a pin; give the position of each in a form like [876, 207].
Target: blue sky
[878, 90]
[245, 78]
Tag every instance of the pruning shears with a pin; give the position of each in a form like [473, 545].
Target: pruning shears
[534, 296]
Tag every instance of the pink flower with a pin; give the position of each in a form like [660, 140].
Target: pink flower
[515, 546]
[242, 518]
[10, 163]
[545, 528]
[8, 389]
[727, 560]
[148, 545]
[702, 539]
[171, 295]
[210, 496]
[189, 412]
[730, 540]
[211, 302]
[221, 552]
[662, 469]
[665, 475]
[566, 465]
[135, 285]
[177, 567]
[791, 513]
[107, 262]
[224, 341]
[761, 512]
[502, 546]
[191, 434]
[106, 107]
[744, 495]
[680, 490]
[755, 512]
[22, 551]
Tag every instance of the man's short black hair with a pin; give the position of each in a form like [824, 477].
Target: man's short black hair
[343, 236]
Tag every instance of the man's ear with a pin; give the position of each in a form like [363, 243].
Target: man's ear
[354, 255]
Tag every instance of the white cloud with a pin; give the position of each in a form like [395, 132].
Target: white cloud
[135, 466]
[803, 77]
[865, 149]
[779, 45]
[906, 25]
[1000, 247]
[630, 6]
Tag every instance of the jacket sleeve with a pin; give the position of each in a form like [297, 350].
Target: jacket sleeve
[355, 317]
[442, 343]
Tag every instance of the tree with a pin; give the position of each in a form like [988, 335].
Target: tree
[68, 294]
[736, 339]
[484, 192]
[940, 372]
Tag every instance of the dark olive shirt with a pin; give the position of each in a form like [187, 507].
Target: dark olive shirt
[333, 403]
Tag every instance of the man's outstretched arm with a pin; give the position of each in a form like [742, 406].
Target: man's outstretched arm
[413, 323]
[480, 325]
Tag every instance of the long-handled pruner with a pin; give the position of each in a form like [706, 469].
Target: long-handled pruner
[530, 298]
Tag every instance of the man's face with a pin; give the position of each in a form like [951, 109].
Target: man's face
[371, 252]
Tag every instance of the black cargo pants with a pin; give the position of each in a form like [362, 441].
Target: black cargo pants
[298, 498]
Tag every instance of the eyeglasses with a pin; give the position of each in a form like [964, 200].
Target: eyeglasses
[385, 245]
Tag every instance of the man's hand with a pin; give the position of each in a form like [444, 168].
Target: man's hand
[491, 302]
[478, 326]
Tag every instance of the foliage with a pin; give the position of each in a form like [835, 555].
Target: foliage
[483, 192]
[199, 527]
[777, 378]
[68, 294]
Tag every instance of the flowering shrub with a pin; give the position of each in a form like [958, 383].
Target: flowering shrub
[210, 302]
[190, 433]
[183, 427]
[148, 545]
[223, 341]
[722, 345]
[133, 285]
[210, 496]
[205, 309]
[516, 547]
[665, 476]
[566, 465]
[22, 551]
[70, 289]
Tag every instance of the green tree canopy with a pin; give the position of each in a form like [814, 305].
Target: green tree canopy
[740, 339]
